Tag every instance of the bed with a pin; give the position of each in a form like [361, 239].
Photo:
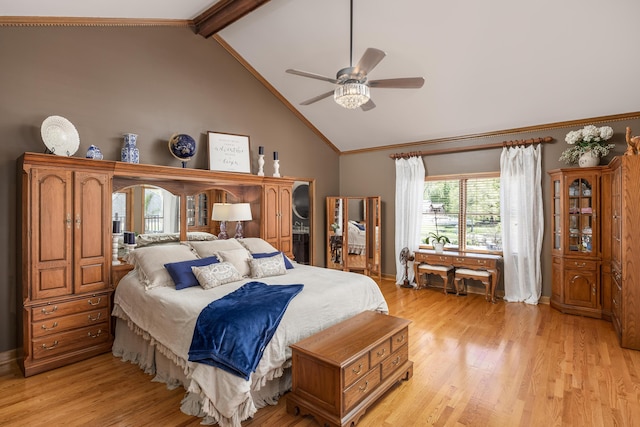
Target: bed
[156, 317]
[357, 238]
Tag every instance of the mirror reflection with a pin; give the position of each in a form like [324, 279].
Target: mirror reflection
[353, 230]
[146, 209]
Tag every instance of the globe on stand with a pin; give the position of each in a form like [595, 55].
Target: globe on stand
[182, 147]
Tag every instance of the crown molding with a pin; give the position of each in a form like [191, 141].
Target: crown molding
[61, 21]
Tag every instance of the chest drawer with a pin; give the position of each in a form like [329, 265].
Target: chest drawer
[63, 342]
[64, 323]
[356, 370]
[396, 360]
[381, 352]
[51, 310]
[399, 339]
[361, 388]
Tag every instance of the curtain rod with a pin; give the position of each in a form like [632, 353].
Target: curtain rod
[513, 143]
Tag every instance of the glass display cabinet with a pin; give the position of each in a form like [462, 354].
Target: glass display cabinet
[576, 241]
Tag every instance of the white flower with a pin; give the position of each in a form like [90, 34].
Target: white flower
[573, 137]
[606, 132]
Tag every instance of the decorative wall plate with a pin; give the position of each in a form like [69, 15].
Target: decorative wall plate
[60, 136]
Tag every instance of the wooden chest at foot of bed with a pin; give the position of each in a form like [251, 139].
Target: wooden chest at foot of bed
[341, 371]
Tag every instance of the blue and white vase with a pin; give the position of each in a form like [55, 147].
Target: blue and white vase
[94, 153]
[130, 152]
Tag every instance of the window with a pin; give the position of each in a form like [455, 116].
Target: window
[466, 209]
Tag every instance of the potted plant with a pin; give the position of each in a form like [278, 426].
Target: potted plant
[437, 240]
[587, 145]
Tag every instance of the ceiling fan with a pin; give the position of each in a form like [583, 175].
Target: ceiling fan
[352, 87]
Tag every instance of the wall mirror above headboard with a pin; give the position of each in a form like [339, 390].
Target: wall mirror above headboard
[146, 209]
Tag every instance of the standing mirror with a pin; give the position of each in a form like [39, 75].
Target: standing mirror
[353, 230]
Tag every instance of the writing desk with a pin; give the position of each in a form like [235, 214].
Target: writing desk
[474, 261]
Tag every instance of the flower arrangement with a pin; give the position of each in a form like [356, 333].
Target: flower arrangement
[589, 138]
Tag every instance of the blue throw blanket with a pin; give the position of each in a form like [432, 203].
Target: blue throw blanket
[233, 331]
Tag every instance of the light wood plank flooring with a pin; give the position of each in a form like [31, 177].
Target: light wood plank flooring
[476, 364]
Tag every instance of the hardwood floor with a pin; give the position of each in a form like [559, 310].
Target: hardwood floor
[475, 364]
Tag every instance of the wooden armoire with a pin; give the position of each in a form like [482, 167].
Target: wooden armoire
[65, 260]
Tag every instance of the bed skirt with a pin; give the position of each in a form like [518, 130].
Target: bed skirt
[133, 347]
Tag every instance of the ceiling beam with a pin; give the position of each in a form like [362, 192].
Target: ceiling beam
[222, 14]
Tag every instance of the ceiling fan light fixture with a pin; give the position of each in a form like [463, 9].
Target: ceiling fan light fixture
[351, 95]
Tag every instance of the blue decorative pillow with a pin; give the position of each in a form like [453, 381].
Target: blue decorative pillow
[287, 262]
[181, 272]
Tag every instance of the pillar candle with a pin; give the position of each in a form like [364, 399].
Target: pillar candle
[275, 155]
[117, 227]
[261, 150]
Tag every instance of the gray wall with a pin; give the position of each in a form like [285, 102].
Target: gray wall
[149, 81]
[373, 174]
[158, 81]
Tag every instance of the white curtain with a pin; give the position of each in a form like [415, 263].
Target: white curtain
[409, 191]
[522, 222]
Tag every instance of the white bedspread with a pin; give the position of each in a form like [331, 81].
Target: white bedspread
[167, 318]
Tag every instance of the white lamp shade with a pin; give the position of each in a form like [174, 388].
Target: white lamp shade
[221, 212]
[240, 212]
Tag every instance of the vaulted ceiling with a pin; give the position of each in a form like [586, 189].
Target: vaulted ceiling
[488, 66]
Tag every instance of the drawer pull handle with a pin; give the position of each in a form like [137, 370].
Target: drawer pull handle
[395, 362]
[400, 338]
[364, 387]
[93, 319]
[581, 264]
[96, 303]
[357, 371]
[381, 353]
[55, 325]
[44, 310]
[55, 344]
[96, 335]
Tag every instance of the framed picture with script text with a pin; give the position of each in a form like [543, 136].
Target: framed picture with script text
[229, 153]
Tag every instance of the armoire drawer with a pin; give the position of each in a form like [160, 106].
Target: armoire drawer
[58, 324]
[63, 342]
[65, 308]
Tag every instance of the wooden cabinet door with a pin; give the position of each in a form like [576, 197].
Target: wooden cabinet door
[285, 220]
[277, 225]
[581, 288]
[92, 244]
[51, 233]
[270, 220]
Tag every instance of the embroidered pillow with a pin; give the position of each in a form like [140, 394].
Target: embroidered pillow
[181, 272]
[238, 257]
[217, 274]
[268, 266]
[287, 263]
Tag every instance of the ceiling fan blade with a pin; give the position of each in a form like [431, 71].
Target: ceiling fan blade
[369, 60]
[401, 83]
[311, 75]
[369, 105]
[317, 98]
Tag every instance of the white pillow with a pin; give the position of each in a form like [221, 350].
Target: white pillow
[256, 245]
[217, 274]
[238, 257]
[209, 248]
[149, 263]
[266, 267]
